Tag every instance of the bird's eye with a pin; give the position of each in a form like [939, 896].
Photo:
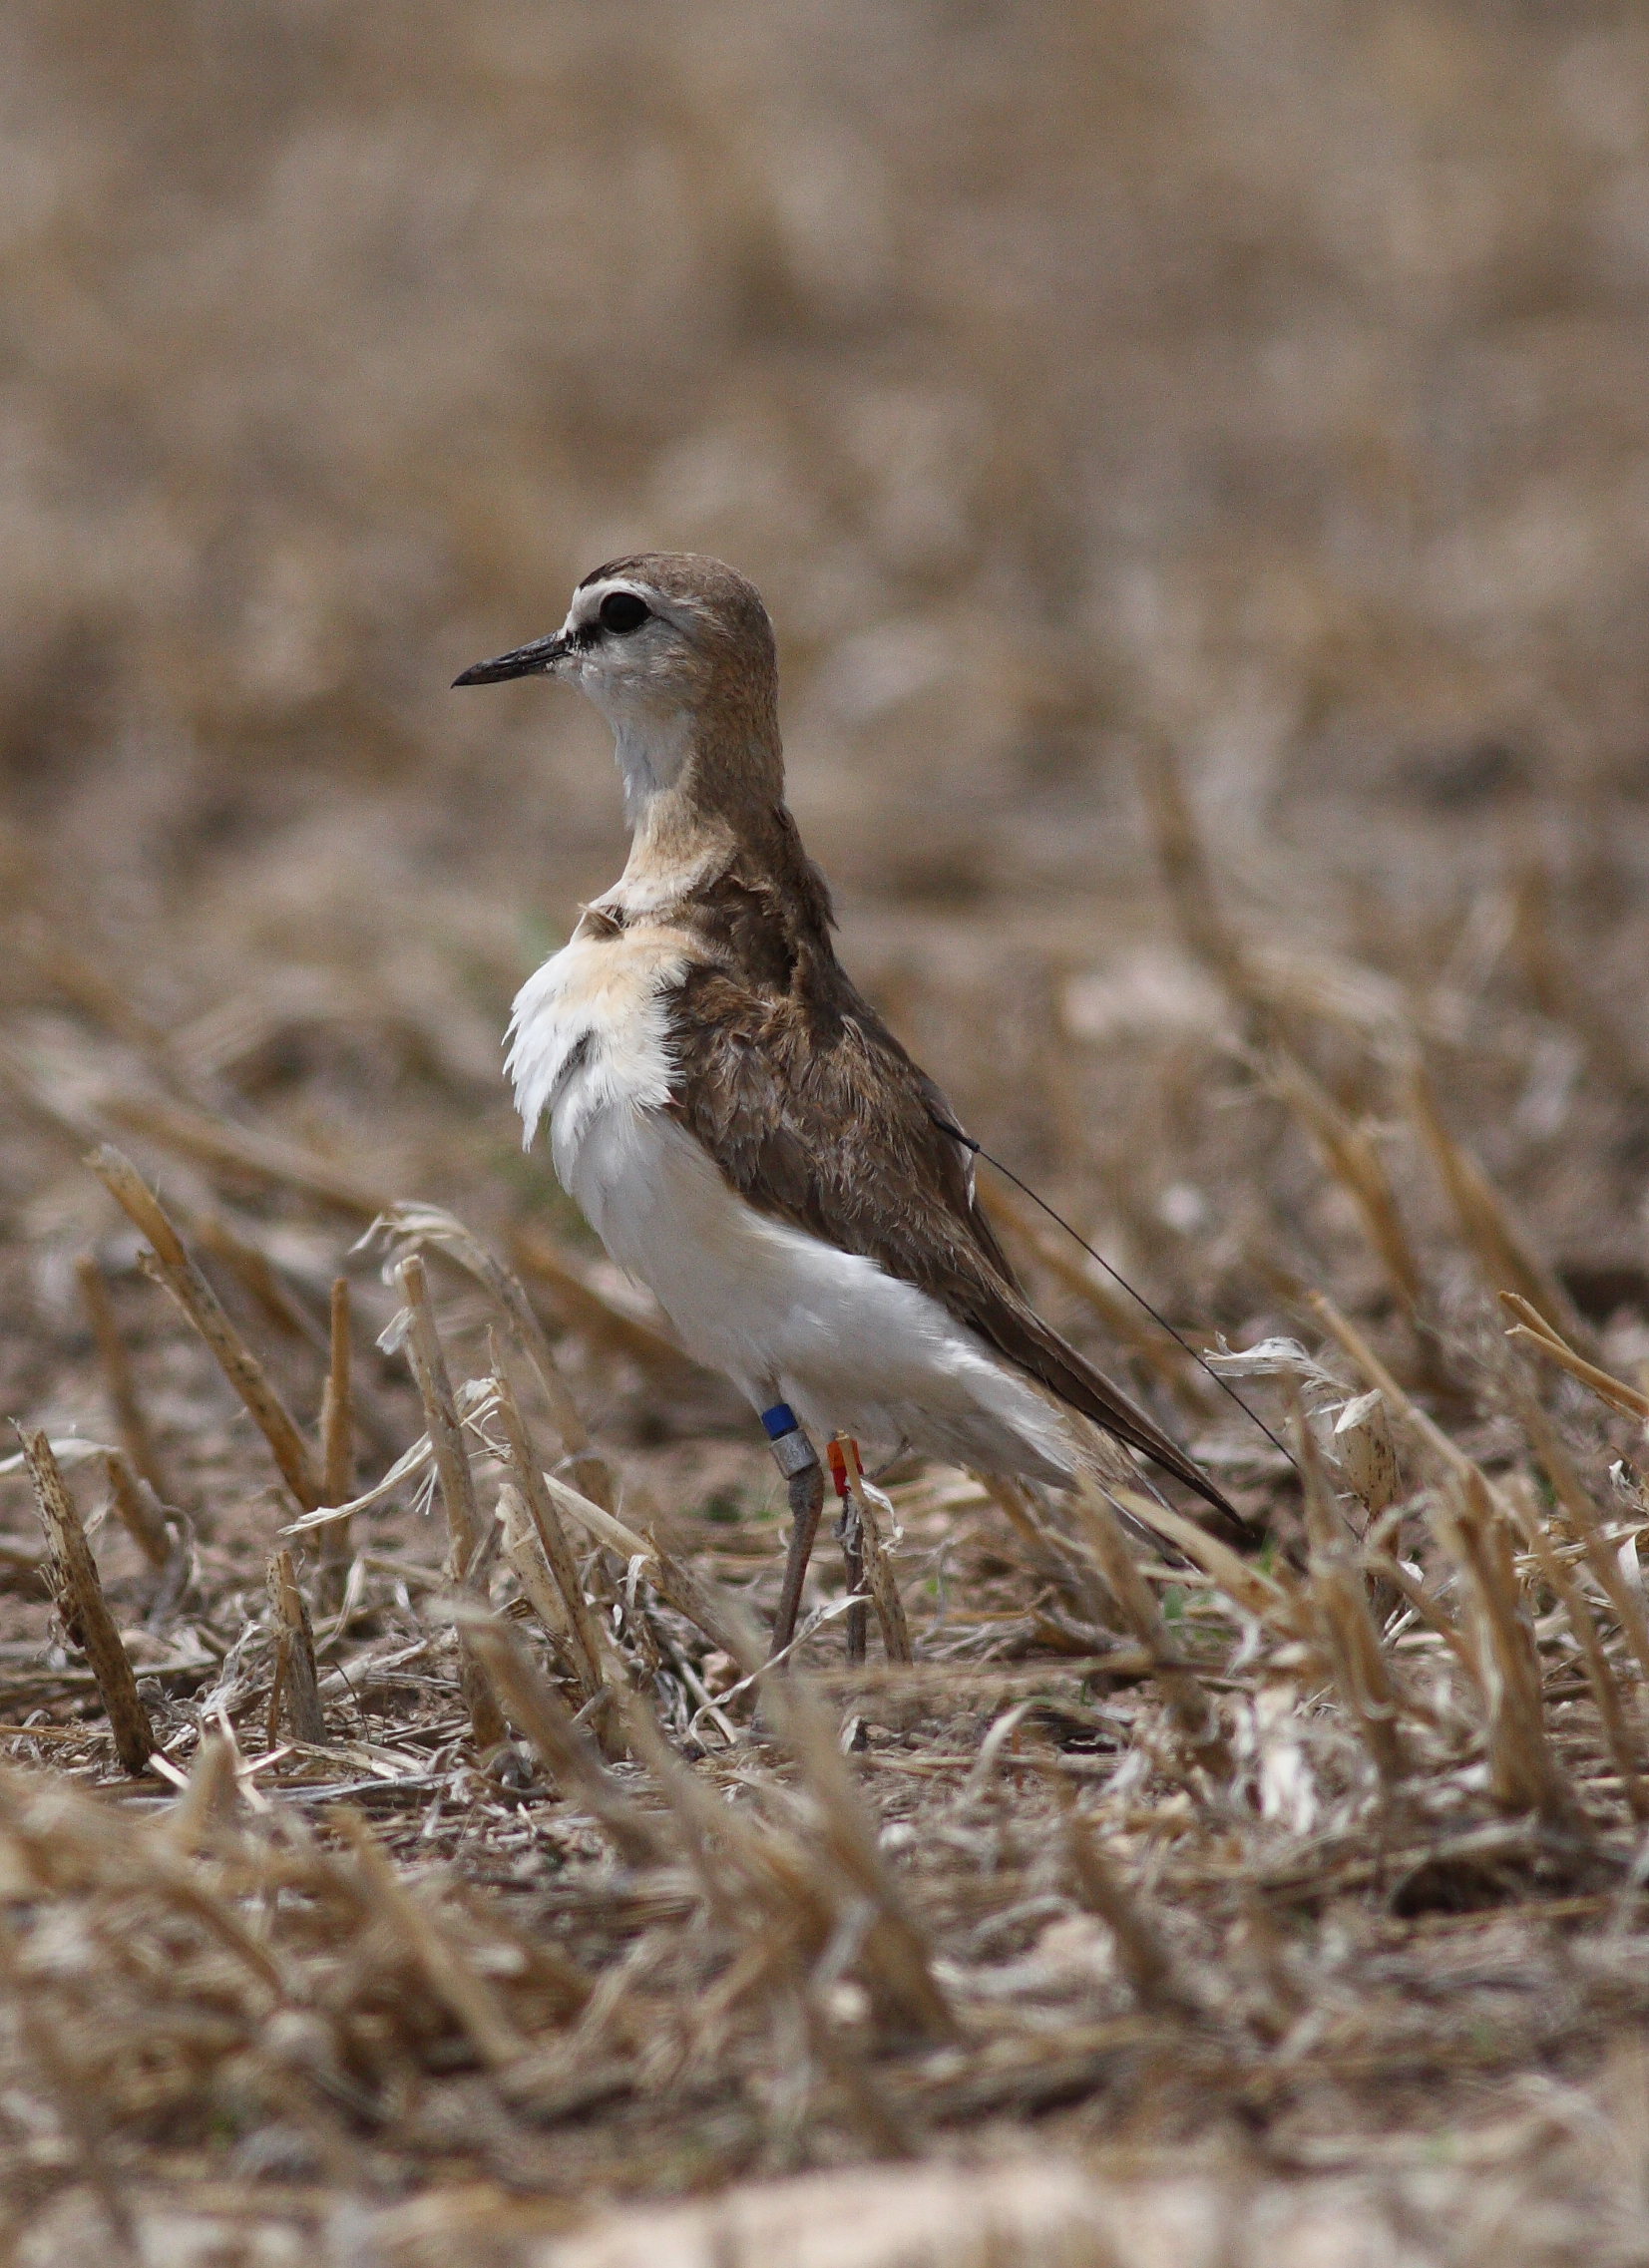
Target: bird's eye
[621, 611]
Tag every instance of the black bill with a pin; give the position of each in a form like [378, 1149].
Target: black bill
[522, 661]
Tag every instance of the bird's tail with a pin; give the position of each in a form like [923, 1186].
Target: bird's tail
[1072, 1379]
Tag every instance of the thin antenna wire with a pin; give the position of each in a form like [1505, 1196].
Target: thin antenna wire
[980, 1151]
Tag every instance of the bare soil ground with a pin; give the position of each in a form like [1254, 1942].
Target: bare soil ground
[1196, 462]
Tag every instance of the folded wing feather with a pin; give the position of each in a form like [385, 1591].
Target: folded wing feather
[817, 1115]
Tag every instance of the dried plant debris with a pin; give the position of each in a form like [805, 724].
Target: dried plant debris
[417, 1869]
[405, 1857]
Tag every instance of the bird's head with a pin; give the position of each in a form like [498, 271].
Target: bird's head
[676, 652]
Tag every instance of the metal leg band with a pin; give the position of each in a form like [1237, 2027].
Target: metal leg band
[792, 1451]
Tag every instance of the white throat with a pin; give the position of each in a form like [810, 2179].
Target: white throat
[650, 742]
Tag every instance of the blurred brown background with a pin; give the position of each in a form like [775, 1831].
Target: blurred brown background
[1263, 373]
[1258, 386]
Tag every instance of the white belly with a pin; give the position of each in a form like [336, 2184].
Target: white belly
[785, 1315]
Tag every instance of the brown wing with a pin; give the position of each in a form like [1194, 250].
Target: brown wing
[817, 1116]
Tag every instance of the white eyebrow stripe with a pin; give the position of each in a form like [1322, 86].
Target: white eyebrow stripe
[586, 604]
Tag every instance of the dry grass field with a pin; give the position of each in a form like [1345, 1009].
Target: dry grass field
[1197, 456]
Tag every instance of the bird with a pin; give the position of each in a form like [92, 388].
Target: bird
[741, 1129]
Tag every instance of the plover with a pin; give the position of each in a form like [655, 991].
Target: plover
[739, 1126]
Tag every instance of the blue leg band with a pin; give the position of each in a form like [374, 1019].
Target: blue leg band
[793, 1452]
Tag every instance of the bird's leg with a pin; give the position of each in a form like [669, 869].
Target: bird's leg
[806, 1504]
[850, 1535]
[798, 1460]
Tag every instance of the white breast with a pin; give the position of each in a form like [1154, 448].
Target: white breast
[782, 1313]
[588, 1040]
